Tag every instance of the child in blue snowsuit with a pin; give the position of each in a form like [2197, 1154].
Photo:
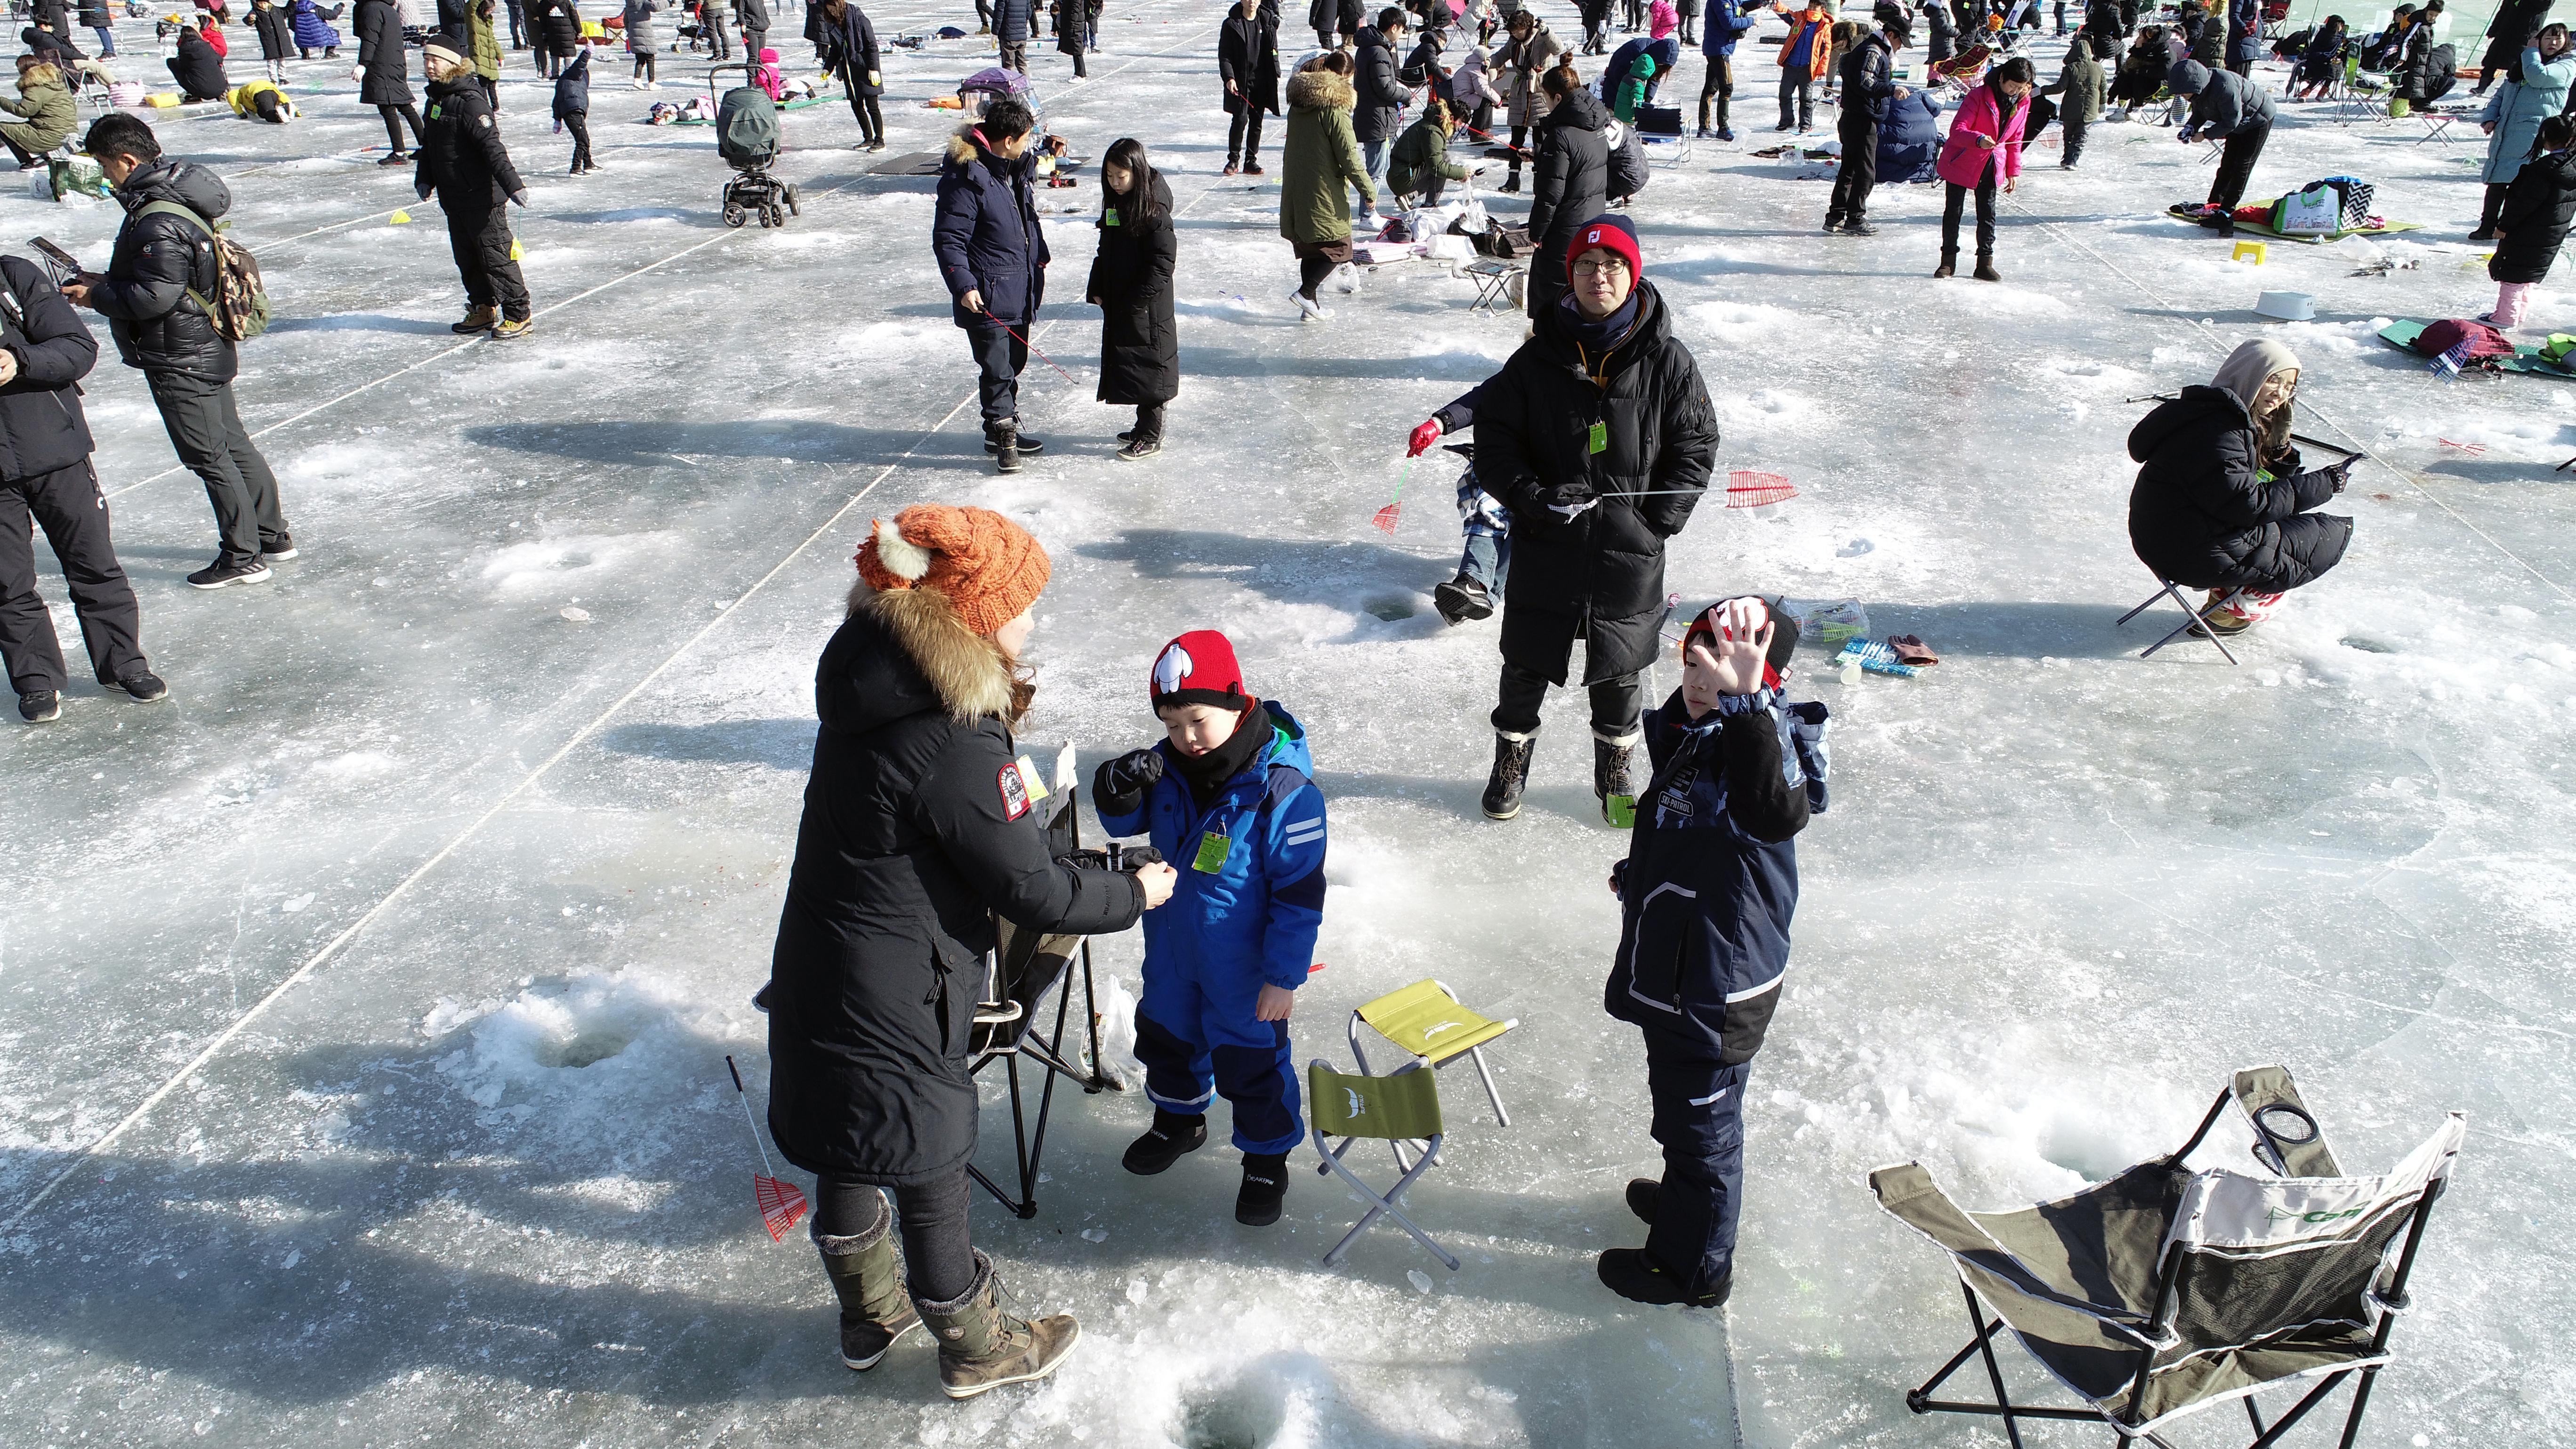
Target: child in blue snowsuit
[1705, 895]
[1485, 561]
[1229, 801]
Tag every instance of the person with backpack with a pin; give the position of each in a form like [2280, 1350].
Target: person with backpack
[464, 164]
[156, 292]
[2226, 106]
[1131, 284]
[1247, 63]
[47, 481]
[572, 108]
[850, 41]
[1598, 436]
[2532, 224]
[1728, 22]
[1869, 88]
[384, 75]
[2512, 119]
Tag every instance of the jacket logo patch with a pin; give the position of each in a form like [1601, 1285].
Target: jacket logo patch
[1015, 792]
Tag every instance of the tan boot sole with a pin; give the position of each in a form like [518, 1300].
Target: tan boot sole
[969, 1391]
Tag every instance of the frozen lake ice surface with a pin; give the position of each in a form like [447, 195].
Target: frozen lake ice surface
[363, 1007]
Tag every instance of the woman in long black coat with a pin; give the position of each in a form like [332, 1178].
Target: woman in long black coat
[849, 44]
[1247, 63]
[1131, 284]
[1570, 183]
[384, 74]
[919, 828]
[2221, 502]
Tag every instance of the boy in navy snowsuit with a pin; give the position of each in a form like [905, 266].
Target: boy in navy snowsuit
[1705, 895]
[1227, 799]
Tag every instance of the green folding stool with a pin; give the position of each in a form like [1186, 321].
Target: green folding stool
[1405, 1106]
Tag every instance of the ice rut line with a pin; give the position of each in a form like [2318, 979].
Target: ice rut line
[456, 842]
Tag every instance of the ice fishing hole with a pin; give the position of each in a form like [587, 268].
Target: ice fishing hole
[1241, 1415]
[2367, 646]
[1391, 607]
[588, 1048]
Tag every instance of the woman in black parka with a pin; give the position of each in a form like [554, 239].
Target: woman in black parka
[1598, 436]
[1571, 180]
[384, 74]
[2221, 502]
[849, 42]
[1131, 284]
[919, 828]
[199, 71]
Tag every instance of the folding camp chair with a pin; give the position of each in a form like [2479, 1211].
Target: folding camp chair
[2437, 125]
[1019, 973]
[1427, 1021]
[1493, 285]
[1402, 1107]
[2168, 589]
[2365, 95]
[2166, 1290]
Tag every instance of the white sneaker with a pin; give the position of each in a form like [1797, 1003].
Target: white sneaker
[1308, 308]
[1346, 279]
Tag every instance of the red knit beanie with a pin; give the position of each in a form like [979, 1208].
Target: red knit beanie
[1610, 230]
[1198, 668]
[988, 567]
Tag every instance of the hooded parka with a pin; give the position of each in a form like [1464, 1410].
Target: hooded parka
[909, 845]
[2519, 106]
[1319, 163]
[47, 107]
[382, 54]
[1522, 62]
[158, 327]
[984, 231]
[2532, 226]
[1598, 576]
[2204, 514]
[197, 69]
[276, 30]
[1571, 186]
[1381, 91]
[1131, 281]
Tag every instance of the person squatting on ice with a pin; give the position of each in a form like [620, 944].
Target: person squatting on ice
[1131, 284]
[1229, 795]
[463, 162]
[918, 830]
[165, 251]
[2221, 502]
[993, 256]
[47, 482]
[1710, 860]
[1599, 436]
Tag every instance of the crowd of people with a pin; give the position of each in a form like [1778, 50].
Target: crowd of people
[1594, 444]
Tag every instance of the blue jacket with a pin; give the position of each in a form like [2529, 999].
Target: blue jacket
[2244, 30]
[1667, 53]
[1251, 893]
[985, 233]
[1014, 21]
[1909, 141]
[572, 88]
[1724, 25]
[1711, 877]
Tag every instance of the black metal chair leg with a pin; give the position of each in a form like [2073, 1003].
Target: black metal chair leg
[1994, 1371]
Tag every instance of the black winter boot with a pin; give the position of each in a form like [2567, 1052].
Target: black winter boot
[875, 1310]
[1170, 1138]
[1614, 765]
[1949, 266]
[1644, 1196]
[1511, 775]
[1632, 1275]
[1004, 445]
[1265, 1188]
[1986, 268]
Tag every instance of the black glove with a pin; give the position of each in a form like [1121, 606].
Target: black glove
[519, 198]
[2341, 473]
[1134, 858]
[423, 190]
[1118, 784]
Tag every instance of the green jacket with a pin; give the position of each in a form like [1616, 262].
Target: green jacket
[1420, 153]
[1320, 162]
[50, 115]
[2081, 83]
[487, 46]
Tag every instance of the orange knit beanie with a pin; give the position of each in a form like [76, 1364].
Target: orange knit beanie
[988, 567]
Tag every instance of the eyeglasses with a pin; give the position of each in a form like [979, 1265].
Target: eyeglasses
[1606, 267]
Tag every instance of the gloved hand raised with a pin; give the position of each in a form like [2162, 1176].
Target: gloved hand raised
[1118, 784]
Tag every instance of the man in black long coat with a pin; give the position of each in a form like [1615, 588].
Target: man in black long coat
[1599, 436]
[1247, 62]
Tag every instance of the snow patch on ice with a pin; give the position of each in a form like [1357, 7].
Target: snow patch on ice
[545, 1039]
[552, 565]
[1746, 324]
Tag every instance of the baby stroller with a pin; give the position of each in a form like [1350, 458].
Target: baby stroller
[747, 139]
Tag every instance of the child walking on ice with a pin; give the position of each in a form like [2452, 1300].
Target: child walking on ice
[1228, 798]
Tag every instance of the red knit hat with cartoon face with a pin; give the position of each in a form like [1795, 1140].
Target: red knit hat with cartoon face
[1198, 668]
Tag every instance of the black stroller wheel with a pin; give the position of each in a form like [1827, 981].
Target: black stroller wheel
[734, 215]
[792, 209]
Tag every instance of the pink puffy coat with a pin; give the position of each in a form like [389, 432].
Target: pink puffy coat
[1963, 161]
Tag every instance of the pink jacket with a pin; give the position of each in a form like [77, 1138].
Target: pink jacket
[1963, 161]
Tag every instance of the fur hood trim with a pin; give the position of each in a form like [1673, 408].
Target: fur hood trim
[961, 147]
[1313, 90]
[966, 671]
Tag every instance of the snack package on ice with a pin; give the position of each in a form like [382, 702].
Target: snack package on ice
[1874, 657]
[1828, 621]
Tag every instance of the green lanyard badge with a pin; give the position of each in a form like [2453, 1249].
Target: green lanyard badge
[1213, 849]
[1600, 437]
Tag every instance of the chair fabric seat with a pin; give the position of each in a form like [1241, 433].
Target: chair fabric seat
[1423, 1020]
[1396, 1108]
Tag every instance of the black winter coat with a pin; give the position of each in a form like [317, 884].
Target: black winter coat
[54, 16]
[1711, 879]
[144, 297]
[1599, 575]
[382, 53]
[1868, 74]
[198, 70]
[984, 231]
[96, 15]
[753, 17]
[572, 88]
[2204, 516]
[276, 31]
[558, 26]
[461, 154]
[1014, 21]
[1247, 54]
[852, 45]
[2533, 224]
[1381, 90]
[1131, 281]
[2414, 63]
[42, 427]
[908, 846]
[1569, 186]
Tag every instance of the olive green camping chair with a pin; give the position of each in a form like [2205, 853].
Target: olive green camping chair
[1426, 1021]
[2168, 1290]
[1403, 1107]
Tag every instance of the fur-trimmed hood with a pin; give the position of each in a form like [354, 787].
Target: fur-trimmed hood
[903, 652]
[1315, 90]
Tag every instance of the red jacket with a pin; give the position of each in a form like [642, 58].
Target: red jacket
[1963, 161]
